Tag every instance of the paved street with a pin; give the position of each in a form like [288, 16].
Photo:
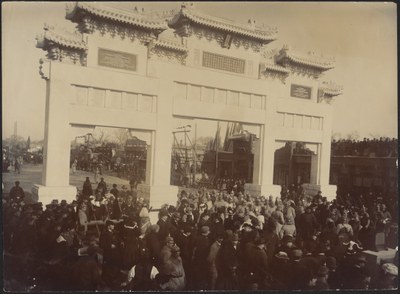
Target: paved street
[32, 174]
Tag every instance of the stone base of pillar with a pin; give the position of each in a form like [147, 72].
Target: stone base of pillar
[47, 194]
[263, 190]
[328, 191]
[158, 195]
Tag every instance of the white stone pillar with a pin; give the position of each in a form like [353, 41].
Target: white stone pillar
[157, 187]
[265, 175]
[56, 156]
[327, 190]
[320, 177]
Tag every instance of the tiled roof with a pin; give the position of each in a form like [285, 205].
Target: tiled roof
[274, 67]
[61, 37]
[168, 39]
[171, 45]
[112, 12]
[331, 89]
[263, 34]
[310, 59]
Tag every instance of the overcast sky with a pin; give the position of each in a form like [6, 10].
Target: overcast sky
[361, 36]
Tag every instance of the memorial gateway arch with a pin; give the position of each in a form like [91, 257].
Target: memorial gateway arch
[137, 70]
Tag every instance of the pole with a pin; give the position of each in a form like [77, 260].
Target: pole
[216, 151]
[195, 153]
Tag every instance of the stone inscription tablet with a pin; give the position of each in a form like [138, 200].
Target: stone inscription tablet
[300, 91]
[116, 59]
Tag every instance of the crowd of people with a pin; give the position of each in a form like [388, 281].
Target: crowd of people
[209, 240]
[382, 147]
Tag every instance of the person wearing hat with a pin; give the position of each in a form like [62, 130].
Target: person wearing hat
[174, 271]
[201, 249]
[387, 277]
[227, 262]
[295, 270]
[259, 277]
[130, 235]
[165, 253]
[153, 243]
[184, 239]
[211, 259]
[87, 189]
[102, 187]
[114, 191]
[111, 255]
[322, 279]
[16, 192]
[164, 223]
[279, 264]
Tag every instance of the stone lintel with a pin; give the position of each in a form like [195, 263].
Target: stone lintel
[47, 194]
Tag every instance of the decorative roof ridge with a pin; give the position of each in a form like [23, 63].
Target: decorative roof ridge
[116, 14]
[311, 58]
[251, 30]
[62, 37]
[331, 88]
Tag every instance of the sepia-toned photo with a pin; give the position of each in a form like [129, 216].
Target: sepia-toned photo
[199, 146]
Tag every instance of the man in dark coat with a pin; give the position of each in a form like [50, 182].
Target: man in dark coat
[111, 258]
[307, 224]
[200, 252]
[257, 266]
[153, 244]
[102, 187]
[86, 272]
[164, 224]
[227, 263]
[114, 191]
[17, 192]
[184, 240]
[87, 189]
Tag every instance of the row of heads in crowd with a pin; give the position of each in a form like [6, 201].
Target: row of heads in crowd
[242, 204]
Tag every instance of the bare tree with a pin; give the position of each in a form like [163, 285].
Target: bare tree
[121, 135]
[353, 136]
[101, 136]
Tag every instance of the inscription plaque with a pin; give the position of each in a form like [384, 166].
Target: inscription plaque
[116, 59]
[300, 91]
